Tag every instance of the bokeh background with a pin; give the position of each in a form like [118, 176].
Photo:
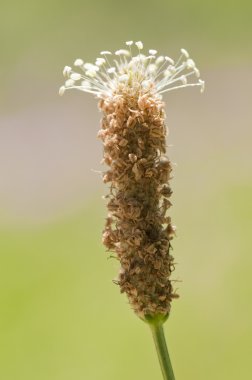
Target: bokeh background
[61, 317]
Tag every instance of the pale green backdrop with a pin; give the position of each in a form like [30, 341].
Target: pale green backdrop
[61, 317]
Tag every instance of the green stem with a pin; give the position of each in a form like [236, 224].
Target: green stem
[162, 351]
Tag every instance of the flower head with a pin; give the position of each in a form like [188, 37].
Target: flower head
[133, 131]
[130, 72]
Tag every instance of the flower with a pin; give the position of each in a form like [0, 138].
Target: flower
[133, 133]
[132, 73]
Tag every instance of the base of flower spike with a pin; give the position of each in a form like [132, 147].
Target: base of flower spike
[156, 320]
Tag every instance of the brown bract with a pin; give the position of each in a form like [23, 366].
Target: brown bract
[137, 228]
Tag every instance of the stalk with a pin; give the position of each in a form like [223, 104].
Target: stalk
[162, 351]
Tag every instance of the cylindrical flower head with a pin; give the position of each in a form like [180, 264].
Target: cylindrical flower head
[133, 132]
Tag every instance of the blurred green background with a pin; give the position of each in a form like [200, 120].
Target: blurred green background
[61, 317]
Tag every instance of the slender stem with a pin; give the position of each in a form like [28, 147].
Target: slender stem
[162, 351]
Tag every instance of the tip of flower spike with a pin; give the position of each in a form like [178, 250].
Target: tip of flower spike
[132, 74]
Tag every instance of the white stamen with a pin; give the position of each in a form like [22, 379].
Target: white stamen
[67, 70]
[91, 73]
[105, 52]
[190, 64]
[90, 66]
[69, 83]
[185, 52]
[153, 52]
[170, 60]
[75, 76]
[62, 90]
[122, 52]
[139, 45]
[78, 62]
[100, 61]
[159, 60]
[129, 43]
[111, 70]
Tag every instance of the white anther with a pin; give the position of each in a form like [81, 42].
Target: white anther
[111, 70]
[122, 52]
[139, 45]
[91, 73]
[170, 60]
[100, 61]
[190, 64]
[62, 90]
[105, 52]
[129, 43]
[185, 52]
[75, 76]
[90, 66]
[69, 83]
[159, 60]
[67, 70]
[153, 52]
[78, 62]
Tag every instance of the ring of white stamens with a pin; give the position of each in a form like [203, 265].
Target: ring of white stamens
[132, 73]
